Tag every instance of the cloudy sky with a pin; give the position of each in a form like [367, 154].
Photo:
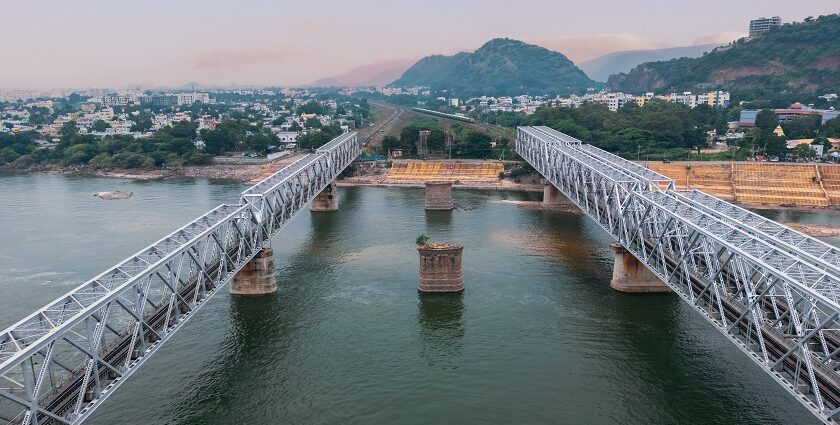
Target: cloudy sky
[115, 43]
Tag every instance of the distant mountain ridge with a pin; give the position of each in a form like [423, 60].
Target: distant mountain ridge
[600, 68]
[500, 67]
[800, 58]
[375, 74]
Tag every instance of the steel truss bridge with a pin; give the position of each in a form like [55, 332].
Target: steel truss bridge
[772, 291]
[61, 362]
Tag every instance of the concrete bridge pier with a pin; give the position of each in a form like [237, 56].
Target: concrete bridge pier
[327, 200]
[257, 277]
[439, 196]
[440, 268]
[551, 195]
[631, 275]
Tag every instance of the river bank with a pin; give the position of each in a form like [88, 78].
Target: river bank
[236, 172]
[504, 185]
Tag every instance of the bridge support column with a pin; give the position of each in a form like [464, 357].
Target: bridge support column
[631, 275]
[440, 268]
[551, 195]
[439, 196]
[257, 277]
[327, 200]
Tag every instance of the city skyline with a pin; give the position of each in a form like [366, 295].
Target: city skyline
[100, 44]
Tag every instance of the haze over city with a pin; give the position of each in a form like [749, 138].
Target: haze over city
[490, 212]
[113, 44]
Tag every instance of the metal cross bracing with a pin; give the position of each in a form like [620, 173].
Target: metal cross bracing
[61, 362]
[772, 291]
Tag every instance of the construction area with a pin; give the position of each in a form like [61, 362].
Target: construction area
[805, 185]
[433, 171]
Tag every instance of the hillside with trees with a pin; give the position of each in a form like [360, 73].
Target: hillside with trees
[799, 58]
[500, 67]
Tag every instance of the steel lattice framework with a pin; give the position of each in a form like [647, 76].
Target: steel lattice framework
[61, 362]
[772, 291]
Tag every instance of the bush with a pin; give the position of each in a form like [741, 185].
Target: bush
[8, 155]
[102, 160]
[24, 161]
[198, 158]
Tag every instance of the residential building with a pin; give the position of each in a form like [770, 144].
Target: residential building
[112, 100]
[787, 114]
[762, 25]
[190, 98]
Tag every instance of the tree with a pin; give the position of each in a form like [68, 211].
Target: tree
[477, 145]
[772, 144]
[182, 130]
[826, 144]
[142, 124]
[390, 143]
[226, 136]
[311, 107]
[804, 151]
[316, 139]
[100, 126]
[766, 120]
[802, 127]
[313, 123]
[259, 142]
[69, 129]
[831, 128]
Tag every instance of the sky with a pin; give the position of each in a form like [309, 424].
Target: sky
[120, 43]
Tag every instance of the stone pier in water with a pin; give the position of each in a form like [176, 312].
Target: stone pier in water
[631, 275]
[551, 195]
[327, 200]
[439, 196]
[257, 277]
[440, 268]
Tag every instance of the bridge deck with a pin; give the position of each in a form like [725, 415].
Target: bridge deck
[772, 291]
[59, 363]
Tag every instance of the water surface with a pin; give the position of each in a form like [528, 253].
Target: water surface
[537, 337]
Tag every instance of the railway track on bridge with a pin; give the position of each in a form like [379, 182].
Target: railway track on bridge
[772, 291]
[60, 363]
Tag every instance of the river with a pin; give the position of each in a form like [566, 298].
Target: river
[537, 337]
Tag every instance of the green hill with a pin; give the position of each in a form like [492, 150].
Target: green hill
[500, 67]
[801, 58]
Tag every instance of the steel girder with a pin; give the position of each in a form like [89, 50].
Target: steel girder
[772, 291]
[61, 362]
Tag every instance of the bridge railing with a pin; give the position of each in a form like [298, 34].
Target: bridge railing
[59, 363]
[770, 290]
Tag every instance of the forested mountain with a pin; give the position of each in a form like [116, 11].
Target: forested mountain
[500, 67]
[801, 58]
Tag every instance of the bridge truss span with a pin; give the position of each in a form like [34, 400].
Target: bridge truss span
[772, 291]
[61, 362]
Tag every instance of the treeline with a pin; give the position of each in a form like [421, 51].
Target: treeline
[466, 143]
[170, 147]
[658, 130]
[666, 130]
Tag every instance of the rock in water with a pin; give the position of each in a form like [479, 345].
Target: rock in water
[114, 195]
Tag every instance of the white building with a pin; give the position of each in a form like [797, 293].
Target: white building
[190, 98]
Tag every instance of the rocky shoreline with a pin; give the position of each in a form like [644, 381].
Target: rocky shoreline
[237, 172]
